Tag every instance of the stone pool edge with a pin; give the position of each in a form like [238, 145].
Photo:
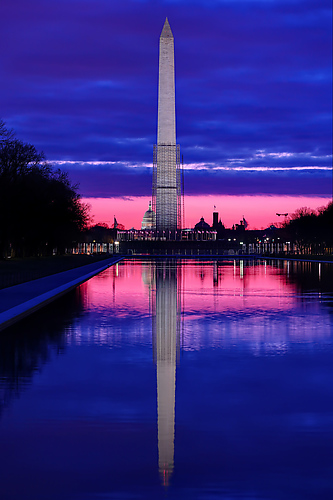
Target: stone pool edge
[25, 308]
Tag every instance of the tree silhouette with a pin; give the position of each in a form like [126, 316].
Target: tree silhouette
[311, 231]
[40, 209]
[325, 222]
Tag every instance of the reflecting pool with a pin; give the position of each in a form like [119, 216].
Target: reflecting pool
[173, 380]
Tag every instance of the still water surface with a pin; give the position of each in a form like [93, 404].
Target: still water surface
[173, 380]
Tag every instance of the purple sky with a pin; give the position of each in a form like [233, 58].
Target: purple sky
[78, 79]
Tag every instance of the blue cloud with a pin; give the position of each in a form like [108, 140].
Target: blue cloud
[79, 80]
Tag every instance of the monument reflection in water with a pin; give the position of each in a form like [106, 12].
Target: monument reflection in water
[168, 327]
[90, 399]
[166, 335]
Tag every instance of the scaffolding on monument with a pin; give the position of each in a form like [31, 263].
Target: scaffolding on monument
[167, 189]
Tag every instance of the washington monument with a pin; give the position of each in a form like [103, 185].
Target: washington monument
[166, 171]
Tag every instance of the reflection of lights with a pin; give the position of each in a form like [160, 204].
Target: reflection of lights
[241, 269]
[319, 271]
[165, 475]
[269, 295]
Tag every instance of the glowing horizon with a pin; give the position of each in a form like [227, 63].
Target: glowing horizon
[259, 210]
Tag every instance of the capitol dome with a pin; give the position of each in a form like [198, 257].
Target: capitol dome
[148, 221]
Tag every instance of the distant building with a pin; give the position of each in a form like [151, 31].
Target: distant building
[202, 225]
[202, 231]
[217, 225]
[148, 221]
[241, 227]
[215, 220]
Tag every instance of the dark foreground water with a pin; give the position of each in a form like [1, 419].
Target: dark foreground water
[192, 380]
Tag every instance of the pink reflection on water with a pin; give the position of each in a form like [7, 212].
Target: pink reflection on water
[122, 289]
[221, 304]
[236, 286]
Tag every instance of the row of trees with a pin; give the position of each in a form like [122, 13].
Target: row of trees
[311, 230]
[40, 209]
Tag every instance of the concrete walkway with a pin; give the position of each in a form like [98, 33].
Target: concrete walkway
[19, 301]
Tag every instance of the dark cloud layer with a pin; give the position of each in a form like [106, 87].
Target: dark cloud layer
[78, 78]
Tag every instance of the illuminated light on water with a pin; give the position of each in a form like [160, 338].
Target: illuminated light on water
[241, 269]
